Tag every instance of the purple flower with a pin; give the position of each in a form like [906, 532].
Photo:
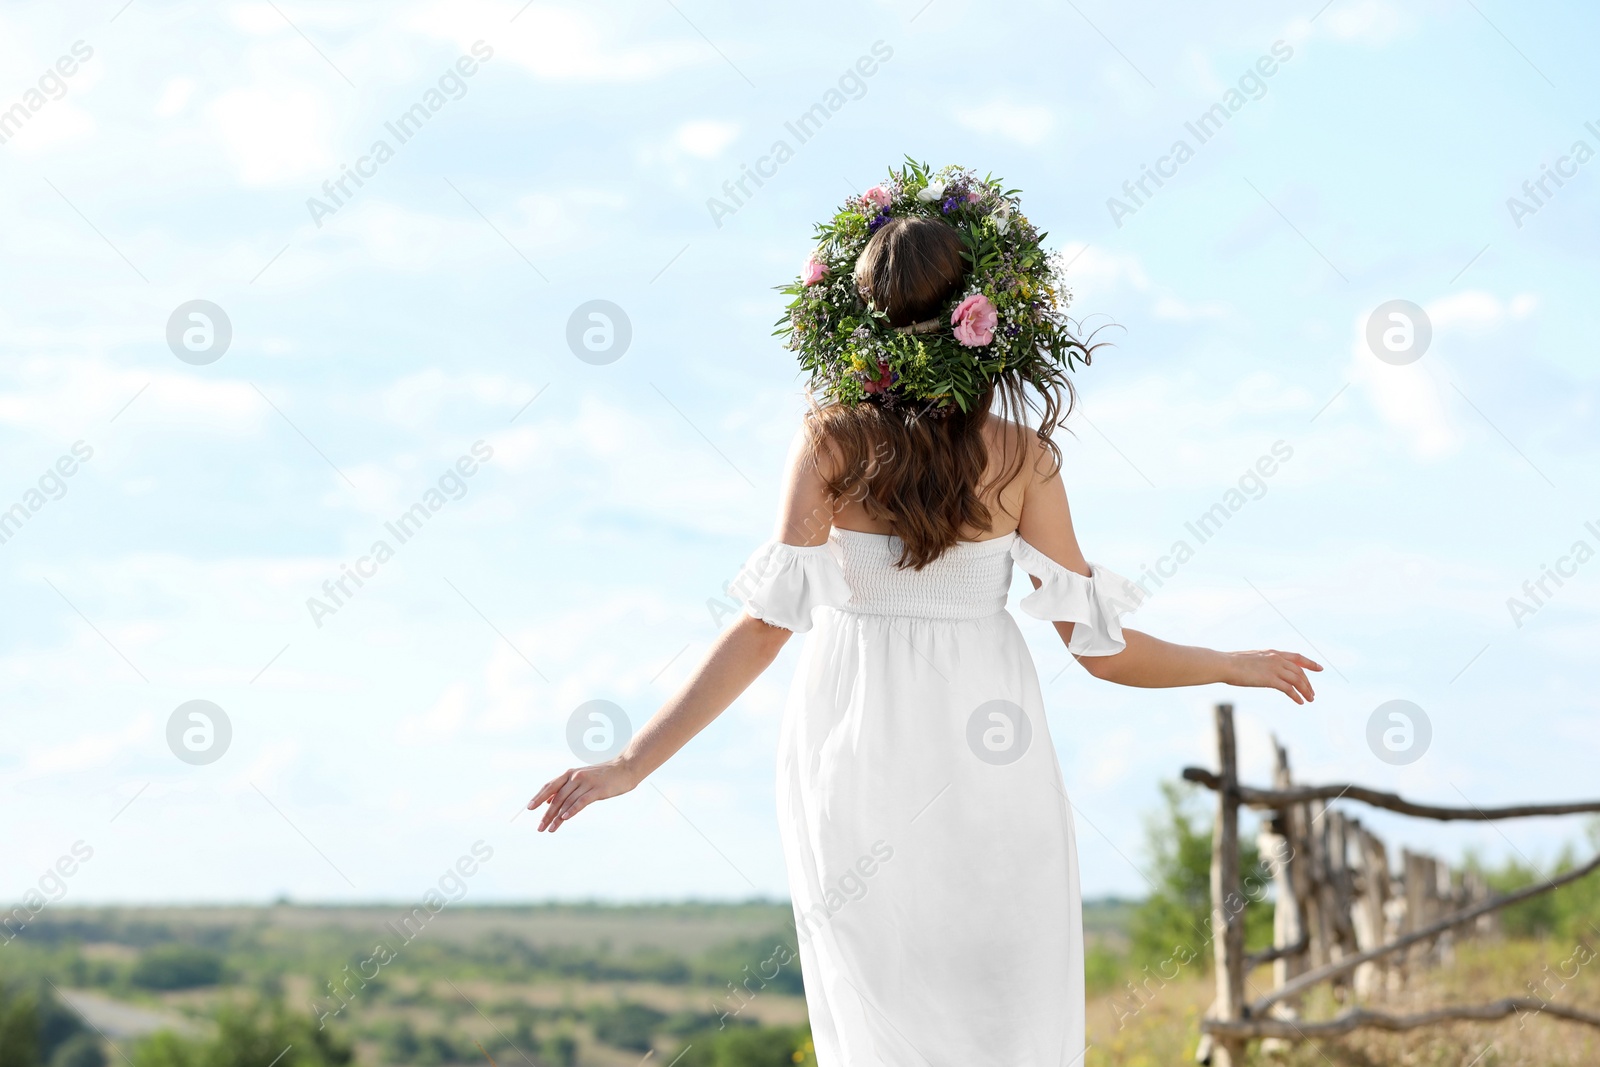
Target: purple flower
[951, 203]
[876, 221]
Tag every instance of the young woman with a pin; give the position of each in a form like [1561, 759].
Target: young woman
[927, 834]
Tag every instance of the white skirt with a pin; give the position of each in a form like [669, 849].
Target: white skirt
[927, 832]
[935, 893]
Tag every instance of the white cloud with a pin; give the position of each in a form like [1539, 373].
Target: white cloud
[47, 393]
[174, 97]
[1370, 22]
[88, 751]
[1415, 398]
[1408, 398]
[1168, 307]
[441, 721]
[60, 122]
[557, 43]
[705, 138]
[1094, 267]
[1027, 124]
[415, 400]
[1476, 311]
[274, 134]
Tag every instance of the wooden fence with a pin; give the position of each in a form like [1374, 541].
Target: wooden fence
[1342, 914]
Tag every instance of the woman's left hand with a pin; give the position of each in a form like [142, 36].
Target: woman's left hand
[1271, 669]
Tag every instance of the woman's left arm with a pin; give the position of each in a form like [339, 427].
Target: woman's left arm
[1147, 662]
[1151, 663]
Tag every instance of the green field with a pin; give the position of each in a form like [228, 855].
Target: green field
[546, 984]
[691, 984]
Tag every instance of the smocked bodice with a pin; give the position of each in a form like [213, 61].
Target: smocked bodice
[969, 581]
[855, 574]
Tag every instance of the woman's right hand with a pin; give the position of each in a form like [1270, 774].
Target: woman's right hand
[1271, 669]
[578, 787]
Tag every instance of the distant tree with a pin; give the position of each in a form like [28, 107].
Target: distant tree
[166, 1049]
[763, 964]
[1570, 913]
[627, 1025]
[176, 967]
[256, 1035]
[81, 1050]
[1175, 919]
[402, 1045]
[561, 1049]
[19, 1028]
[37, 1030]
[765, 1046]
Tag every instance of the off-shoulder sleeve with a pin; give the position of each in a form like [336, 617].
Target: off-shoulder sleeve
[1095, 604]
[781, 584]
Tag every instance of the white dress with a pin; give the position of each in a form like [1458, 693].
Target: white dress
[927, 834]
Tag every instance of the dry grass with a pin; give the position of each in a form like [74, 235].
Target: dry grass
[1162, 1026]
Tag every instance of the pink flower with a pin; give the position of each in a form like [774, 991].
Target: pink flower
[975, 319]
[814, 270]
[884, 380]
[878, 195]
[972, 196]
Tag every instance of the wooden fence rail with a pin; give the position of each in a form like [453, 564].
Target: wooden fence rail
[1341, 915]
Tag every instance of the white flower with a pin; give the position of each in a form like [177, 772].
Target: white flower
[931, 192]
[1002, 216]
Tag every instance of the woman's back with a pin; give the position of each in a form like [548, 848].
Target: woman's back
[1001, 488]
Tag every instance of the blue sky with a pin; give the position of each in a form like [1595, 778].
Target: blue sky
[372, 348]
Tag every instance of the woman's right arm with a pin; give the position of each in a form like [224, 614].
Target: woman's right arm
[735, 659]
[1146, 662]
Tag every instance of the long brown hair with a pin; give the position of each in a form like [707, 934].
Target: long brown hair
[923, 474]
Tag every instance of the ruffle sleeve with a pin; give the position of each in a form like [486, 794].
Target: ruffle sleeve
[782, 584]
[1094, 604]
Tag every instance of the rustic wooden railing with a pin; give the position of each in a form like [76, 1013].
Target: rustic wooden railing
[1341, 919]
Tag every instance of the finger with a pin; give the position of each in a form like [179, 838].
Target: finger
[1298, 679]
[572, 808]
[554, 807]
[573, 784]
[1305, 661]
[1286, 684]
[568, 805]
[576, 805]
[549, 789]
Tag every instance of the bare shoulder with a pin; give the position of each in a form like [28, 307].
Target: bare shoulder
[1006, 438]
[806, 513]
[813, 448]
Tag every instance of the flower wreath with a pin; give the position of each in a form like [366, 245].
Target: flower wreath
[1009, 315]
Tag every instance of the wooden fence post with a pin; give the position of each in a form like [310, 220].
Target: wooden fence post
[1370, 920]
[1318, 927]
[1227, 903]
[1341, 887]
[1288, 913]
[1284, 846]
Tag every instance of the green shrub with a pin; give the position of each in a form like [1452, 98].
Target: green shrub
[627, 1025]
[1172, 927]
[82, 1050]
[259, 1035]
[37, 1029]
[1570, 913]
[176, 967]
[561, 1050]
[765, 1046]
